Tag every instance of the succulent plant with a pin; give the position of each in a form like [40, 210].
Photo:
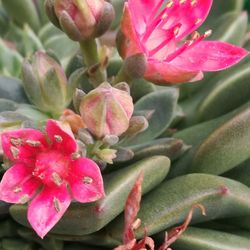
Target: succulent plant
[191, 141]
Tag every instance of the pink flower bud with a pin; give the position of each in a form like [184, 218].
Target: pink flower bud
[107, 110]
[45, 83]
[81, 19]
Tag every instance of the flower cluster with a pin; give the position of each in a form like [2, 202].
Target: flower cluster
[48, 173]
[161, 34]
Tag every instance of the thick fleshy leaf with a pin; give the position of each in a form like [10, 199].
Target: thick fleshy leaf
[210, 56]
[161, 72]
[207, 239]
[169, 203]
[162, 104]
[61, 136]
[18, 185]
[22, 145]
[47, 208]
[86, 181]
[234, 86]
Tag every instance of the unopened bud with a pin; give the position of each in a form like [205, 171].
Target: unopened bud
[81, 19]
[137, 125]
[45, 83]
[106, 155]
[85, 136]
[110, 140]
[77, 98]
[107, 110]
[134, 66]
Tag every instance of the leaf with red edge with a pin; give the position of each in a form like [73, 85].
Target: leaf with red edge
[132, 208]
[175, 233]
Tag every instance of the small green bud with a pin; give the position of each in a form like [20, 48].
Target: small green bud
[106, 154]
[45, 83]
[137, 125]
[107, 110]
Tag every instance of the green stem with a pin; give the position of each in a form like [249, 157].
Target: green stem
[91, 58]
[122, 77]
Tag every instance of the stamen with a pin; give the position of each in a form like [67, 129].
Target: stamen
[33, 143]
[14, 152]
[58, 138]
[199, 20]
[208, 33]
[17, 189]
[25, 198]
[57, 204]
[195, 35]
[75, 156]
[87, 180]
[170, 4]
[193, 2]
[174, 32]
[16, 141]
[57, 179]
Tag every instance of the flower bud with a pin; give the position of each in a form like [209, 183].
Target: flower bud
[106, 155]
[45, 83]
[107, 110]
[81, 19]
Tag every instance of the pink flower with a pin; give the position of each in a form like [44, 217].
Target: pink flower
[161, 34]
[49, 173]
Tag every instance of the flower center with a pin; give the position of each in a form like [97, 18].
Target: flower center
[51, 168]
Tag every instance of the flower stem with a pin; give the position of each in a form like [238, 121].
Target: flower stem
[122, 77]
[91, 60]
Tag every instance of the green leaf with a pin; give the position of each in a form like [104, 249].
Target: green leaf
[48, 243]
[10, 61]
[230, 27]
[163, 105]
[230, 93]
[240, 173]
[195, 135]
[11, 88]
[169, 203]
[170, 147]
[219, 8]
[95, 216]
[205, 239]
[226, 147]
[14, 244]
[7, 105]
[22, 12]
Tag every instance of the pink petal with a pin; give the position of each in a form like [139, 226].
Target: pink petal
[86, 181]
[18, 185]
[61, 136]
[22, 145]
[142, 11]
[160, 72]
[210, 56]
[129, 44]
[47, 208]
[191, 14]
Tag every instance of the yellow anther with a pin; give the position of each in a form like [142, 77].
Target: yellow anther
[208, 33]
[170, 4]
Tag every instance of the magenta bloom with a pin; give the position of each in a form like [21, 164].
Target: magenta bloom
[161, 34]
[49, 173]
